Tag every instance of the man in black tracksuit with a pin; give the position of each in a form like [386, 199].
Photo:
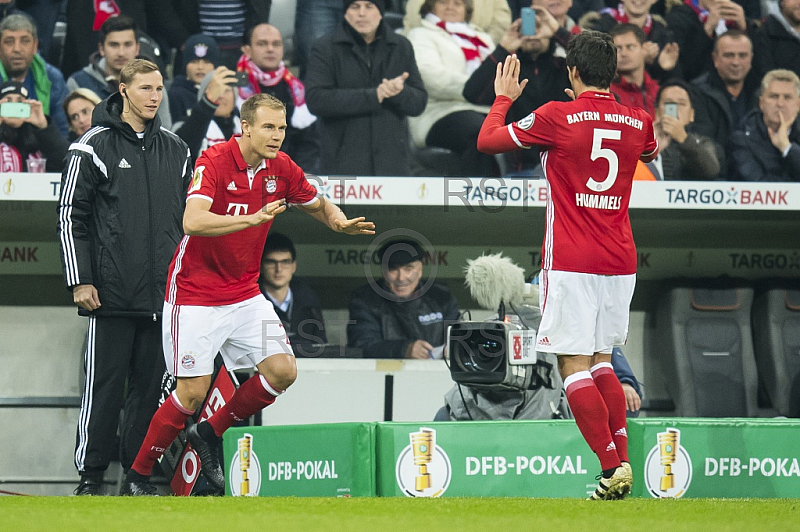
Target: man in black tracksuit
[119, 222]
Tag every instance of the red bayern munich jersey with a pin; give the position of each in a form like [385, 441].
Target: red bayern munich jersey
[222, 270]
[589, 149]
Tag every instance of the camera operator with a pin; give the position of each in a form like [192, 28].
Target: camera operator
[27, 141]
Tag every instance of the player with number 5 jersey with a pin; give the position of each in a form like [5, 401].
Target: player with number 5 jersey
[589, 149]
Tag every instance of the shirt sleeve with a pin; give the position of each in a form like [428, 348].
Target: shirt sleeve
[300, 190]
[651, 144]
[534, 129]
[204, 180]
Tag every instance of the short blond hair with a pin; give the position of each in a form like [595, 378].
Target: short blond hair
[249, 107]
[780, 74]
[136, 66]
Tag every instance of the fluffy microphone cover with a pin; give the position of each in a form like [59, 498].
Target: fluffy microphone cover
[495, 278]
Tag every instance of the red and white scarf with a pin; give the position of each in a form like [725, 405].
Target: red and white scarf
[475, 50]
[10, 159]
[301, 117]
[622, 18]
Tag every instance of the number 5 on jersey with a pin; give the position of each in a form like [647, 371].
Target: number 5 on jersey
[598, 152]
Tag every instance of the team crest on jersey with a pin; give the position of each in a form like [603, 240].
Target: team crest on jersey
[187, 360]
[197, 178]
[271, 184]
[527, 122]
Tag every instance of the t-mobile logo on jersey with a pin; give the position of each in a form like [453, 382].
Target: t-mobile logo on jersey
[237, 208]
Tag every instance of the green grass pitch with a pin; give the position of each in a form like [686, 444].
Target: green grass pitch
[19, 514]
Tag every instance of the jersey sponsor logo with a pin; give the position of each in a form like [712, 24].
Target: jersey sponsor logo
[527, 122]
[237, 208]
[124, 164]
[232, 186]
[197, 179]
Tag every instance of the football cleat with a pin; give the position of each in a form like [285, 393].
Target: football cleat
[138, 488]
[209, 457]
[614, 488]
[87, 487]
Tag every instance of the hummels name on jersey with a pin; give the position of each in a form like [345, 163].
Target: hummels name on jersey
[598, 201]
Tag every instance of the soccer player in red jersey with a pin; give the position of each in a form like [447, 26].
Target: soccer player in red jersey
[589, 148]
[213, 302]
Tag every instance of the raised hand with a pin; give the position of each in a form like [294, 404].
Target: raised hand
[780, 136]
[506, 79]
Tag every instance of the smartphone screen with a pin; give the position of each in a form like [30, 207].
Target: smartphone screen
[15, 110]
[528, 27]
[671, 109]
[242, 79]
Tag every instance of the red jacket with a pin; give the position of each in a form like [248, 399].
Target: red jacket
[632, 95]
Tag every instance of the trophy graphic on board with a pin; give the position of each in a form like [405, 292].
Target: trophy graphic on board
[668, 443]
[422, 445]
[245, 445]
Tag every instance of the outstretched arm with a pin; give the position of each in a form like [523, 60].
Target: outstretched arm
[332, 216]
[198, 220]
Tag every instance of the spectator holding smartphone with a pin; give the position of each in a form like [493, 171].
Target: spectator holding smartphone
[683, 155]
[27, 141]
[214, 118]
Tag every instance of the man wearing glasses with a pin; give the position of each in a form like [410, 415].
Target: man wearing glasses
[295, 303]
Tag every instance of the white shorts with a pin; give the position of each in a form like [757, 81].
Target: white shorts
[583, 313]
[244, 333]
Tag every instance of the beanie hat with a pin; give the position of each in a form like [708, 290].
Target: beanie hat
[13, 87]
[400, 253]
[380, 4]
[200, 47]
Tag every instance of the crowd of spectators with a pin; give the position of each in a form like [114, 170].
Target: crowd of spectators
[371, 85]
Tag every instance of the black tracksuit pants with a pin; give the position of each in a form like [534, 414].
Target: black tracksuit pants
[119, 352]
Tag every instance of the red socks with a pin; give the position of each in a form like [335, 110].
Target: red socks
[591, 415]
[611, 390]
[167, 422]
[252, 396]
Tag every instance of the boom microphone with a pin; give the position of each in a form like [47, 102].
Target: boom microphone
[495, 279]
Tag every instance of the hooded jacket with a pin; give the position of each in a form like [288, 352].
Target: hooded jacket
[120, 210]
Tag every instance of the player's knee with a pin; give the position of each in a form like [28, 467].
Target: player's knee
[192, 391]
[279, 370]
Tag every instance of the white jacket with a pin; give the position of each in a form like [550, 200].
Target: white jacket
[443, 68]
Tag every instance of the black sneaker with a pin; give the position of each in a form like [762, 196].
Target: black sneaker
[87, 487]
[209, 457]
[138, 488]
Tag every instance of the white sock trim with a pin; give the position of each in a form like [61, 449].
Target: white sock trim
[178, 404]
[602, 365]
[580, 375]
[267, 387]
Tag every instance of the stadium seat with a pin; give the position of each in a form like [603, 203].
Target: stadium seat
[776, 340]
[704, 347]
